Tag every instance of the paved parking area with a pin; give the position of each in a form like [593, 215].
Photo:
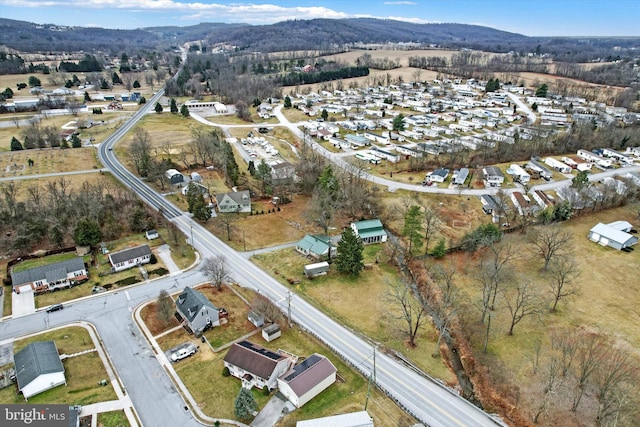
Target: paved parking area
[23, 303]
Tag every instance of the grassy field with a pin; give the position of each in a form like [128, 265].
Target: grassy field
[15, 163]
[82, 372]
[337, 295]
[605, 304]
[113, 419]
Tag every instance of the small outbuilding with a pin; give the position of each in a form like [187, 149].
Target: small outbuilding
[271, 332]
[307, 379]
[38, 368]
[352, 419]
[315, 270]
[151, 234]
[256, 319]
[174, 176]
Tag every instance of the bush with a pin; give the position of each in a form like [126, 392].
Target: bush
[484, 235]
[108, 286]
[127, 281]
[153, 259]
[159, 271]
[265, 390]
[440, 250]
[225, 372]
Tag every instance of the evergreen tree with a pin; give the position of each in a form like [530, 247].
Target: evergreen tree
[413, 227]
[287, 102]
[440, 250]
[87, 98]
[580, 181]
[173, 107]
[136, 84]
[328, 182]
[350, 258]
[398, 123]
[245, 404]
[87, 232]
[158, 108]
[75, 141]
[116, 79]
[542, 91]
[15, 144]
[263, 174]
[184, 111]
[324, 114]
[252, 168]
[201, 210]
[64, 144]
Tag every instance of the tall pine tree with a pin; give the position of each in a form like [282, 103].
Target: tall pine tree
[350, 258]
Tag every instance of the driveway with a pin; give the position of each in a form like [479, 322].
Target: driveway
[164, 252]
[23, 303]
[275, 408]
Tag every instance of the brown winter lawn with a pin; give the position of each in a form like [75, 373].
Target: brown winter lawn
[606, 304]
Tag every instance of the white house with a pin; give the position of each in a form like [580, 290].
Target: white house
[557, 165]
[438, 175]
[49, 277]
[369, 231]
[129, 258]
[594, 158]
[492, 176]
[307, 379]
[519, 174]
[38, 368]
[255, 365]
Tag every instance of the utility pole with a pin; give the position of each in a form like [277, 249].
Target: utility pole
[289, 307]
[372, 378]
[193, 246]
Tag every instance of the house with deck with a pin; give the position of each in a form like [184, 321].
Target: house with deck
[255, 365]
[63, 274]
[307, 379]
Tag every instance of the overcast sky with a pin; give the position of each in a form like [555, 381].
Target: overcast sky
[532, 18]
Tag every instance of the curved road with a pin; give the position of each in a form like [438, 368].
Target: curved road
[153, 394]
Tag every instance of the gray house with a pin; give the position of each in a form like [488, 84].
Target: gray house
[614, 234]
[237, 201]
[197, 311]
[49, 277]
[38, 368]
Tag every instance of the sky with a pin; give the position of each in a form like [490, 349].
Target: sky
[531, 18]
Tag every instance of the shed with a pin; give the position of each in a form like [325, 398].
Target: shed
[38, 368]
[307, 379]
[151, 234]
[174, 176]
[256, 319]
[271, 332]
[317, 269]
[195, 177]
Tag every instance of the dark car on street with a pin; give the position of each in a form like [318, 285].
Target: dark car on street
[55, 307]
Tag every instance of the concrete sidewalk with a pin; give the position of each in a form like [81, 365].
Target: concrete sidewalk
[249, 254]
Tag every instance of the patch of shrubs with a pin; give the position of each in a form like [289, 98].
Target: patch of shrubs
[161, 271]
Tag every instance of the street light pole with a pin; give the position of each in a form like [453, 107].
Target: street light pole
[193, 246]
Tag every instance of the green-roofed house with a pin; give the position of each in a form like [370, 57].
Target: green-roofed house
[198, 312]
[38, 368]
[370, 231]
[318, 247]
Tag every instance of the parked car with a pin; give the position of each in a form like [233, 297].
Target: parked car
[183, 353]
[55, 307]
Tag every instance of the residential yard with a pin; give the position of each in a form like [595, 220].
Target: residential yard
[268, 229]
[113, 419]
[337, 295]
[82, 372]
[215, 394]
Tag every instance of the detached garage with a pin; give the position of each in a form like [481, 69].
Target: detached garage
[614, 234]
[307, 379]
[38, 368]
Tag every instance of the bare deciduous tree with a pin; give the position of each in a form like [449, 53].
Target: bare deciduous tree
[165, 308]
[550, 241]
[432, 224]
[564, 272]
[616, 373]
[549, 389]
[587, 359]
[521, 301]
[408, 310]
[263, 306]
[217, 270]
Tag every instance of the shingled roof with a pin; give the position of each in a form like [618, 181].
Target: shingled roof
[191, 301]
[253, 358]
[51, 272]
[131, 253]
[306, 375]
[36, 359]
